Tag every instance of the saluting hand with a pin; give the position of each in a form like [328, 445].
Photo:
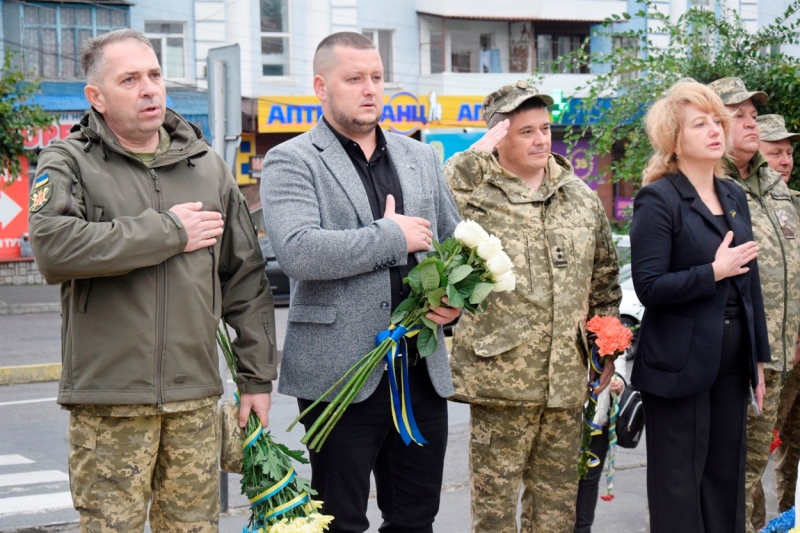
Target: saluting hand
[489, 141]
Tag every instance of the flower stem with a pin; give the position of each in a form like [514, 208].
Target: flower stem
[332, 387]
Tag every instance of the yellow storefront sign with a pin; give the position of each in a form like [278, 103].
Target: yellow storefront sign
[403, 112]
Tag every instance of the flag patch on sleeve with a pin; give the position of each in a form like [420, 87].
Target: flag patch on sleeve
[41, 181]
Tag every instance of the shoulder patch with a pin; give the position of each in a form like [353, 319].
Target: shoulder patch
[40, 197]
[41, 181]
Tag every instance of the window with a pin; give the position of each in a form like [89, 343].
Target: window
[626, 47]
[383, 40]
[437, 53]
[275, 37]
[552, 47]
[167, 40]
[50, 35]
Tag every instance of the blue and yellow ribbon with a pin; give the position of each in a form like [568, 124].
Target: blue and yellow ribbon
[612, 443]
[273, 490]
[402, 414]
[288, 506]
[592, 459]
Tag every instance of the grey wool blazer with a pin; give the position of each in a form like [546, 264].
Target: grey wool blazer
[320, 224]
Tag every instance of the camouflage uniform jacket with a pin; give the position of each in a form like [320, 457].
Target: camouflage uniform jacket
[776, 230]
[530, 346]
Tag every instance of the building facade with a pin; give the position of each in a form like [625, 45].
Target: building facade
[441, 57]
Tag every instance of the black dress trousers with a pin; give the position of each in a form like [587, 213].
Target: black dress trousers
[408, 478]
[696, 448]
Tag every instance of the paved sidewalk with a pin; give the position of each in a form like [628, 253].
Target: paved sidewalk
[23, 299]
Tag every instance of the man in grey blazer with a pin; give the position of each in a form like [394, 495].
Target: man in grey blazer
[350, 210]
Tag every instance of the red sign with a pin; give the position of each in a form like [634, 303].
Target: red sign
[13, 210]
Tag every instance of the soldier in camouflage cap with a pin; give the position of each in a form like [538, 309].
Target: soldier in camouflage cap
[509, 97]
[776, 230]
[776, 144]
[522, 364]
[732, 91]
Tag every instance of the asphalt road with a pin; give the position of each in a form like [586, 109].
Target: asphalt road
[33, 450]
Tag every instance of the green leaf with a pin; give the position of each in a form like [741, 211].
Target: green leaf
[455, 298]
[413, 281]
[430, 324]
[459, 273]
[482, 290]
[435, 297]
[428, 276]
[426, 342]
[402, 310]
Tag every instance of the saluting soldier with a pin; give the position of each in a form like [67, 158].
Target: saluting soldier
[522, 364]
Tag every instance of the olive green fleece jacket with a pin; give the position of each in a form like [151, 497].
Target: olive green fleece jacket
[139, 314]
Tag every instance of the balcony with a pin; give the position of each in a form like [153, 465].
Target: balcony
[589, 10]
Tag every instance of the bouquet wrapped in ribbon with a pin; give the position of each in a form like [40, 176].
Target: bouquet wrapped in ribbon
[280, 500]
[465, 268]
[612, 338]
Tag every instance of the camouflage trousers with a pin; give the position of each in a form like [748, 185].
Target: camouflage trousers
[788, 453]
[759, 439]
[534, 446]
[119, 465]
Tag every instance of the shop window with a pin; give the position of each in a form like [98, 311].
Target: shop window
[275, 38]
[168, 42]
[384, 40]
[49, 36]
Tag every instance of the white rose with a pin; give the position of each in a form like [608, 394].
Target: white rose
[489, 247]
[470, 233]
[505, 283]
[499, 264]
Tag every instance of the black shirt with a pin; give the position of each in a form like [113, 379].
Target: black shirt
[379, 178]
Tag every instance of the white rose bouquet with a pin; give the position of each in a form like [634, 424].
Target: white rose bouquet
[465, 268]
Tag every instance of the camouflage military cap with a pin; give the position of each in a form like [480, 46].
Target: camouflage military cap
[733, 91]
[509, 97]
[773, 128]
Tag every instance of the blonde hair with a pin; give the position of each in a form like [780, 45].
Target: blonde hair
[664, 123]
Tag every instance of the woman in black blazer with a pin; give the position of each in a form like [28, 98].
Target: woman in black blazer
[703, 337]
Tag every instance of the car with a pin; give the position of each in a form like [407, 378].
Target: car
[278, 280]
[631, 309]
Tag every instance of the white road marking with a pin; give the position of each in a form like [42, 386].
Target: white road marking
[37, 502]
[37, 400]
[30, 478]
[6, 460]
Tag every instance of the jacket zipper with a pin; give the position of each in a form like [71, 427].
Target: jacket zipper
[213, 280]
[161, 301]
[785, 272]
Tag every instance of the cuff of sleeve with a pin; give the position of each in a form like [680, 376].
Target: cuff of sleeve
[396, 246]
[251, 387]
[182, 235]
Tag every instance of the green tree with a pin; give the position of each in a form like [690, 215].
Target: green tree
[17, 113]
[703, 44]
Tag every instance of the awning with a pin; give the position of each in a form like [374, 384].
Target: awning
[62, 97]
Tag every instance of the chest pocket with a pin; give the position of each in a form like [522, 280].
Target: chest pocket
[785, 215]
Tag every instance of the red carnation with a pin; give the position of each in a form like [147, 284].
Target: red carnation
[613, 337]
